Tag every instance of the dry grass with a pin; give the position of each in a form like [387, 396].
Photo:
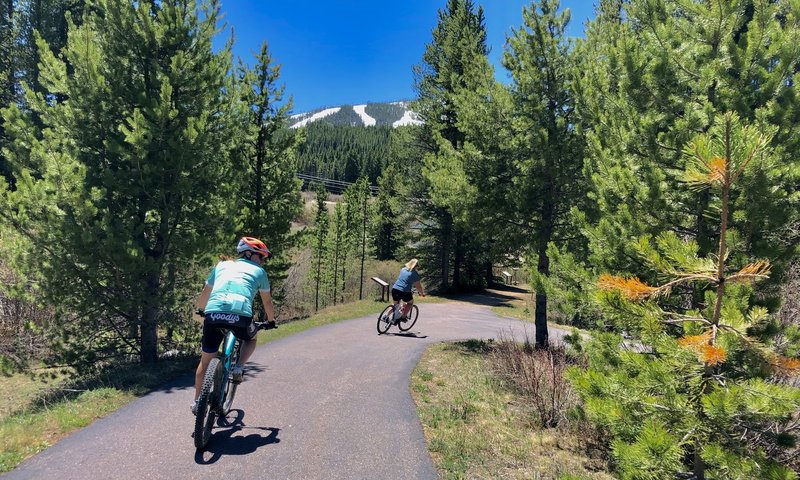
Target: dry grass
[17, 390]
[476, 427]
[538, 375]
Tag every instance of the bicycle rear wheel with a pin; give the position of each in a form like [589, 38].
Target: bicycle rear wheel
[385, 319]
[206, 410]
[410, 321]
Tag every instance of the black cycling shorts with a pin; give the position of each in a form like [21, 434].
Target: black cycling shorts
[242, 327]
[398, 295]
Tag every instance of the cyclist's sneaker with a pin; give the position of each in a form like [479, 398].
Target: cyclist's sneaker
[237, 373]
[193, 407]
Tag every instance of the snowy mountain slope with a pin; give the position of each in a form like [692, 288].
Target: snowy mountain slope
[361, 111]
[394, 114]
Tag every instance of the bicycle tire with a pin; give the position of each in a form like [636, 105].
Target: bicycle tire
[226, 407]
[384, 325]
[230, 392]
[412, 319]
[206, 410]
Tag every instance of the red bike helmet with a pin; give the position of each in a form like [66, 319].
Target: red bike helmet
[250, 244]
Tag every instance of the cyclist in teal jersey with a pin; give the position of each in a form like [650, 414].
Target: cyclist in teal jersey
[227, 300]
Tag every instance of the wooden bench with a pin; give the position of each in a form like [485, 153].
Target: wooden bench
[507, 276]
[384, 288]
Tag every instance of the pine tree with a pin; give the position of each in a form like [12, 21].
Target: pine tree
[321, 222]
[646, 91]
[333, 248]
[694, 402]
[549, 178]
[385, 216]
[358, 196]
[119, 192]
[458, 38]
[272, 198]
[8, 68]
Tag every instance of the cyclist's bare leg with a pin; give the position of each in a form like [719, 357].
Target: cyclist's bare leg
[248, 347]
[205, 359]
[407, 307]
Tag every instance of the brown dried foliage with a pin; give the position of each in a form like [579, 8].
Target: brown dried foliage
[630, 288]
[539, 375]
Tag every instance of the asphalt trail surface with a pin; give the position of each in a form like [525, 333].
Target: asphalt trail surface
[332, 402]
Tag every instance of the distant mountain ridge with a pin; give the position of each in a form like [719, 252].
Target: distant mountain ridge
[394, 114]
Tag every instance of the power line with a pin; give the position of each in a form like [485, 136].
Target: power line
[332, 185]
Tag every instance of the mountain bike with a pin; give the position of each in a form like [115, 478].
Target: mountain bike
[218, 390]
[392, 315]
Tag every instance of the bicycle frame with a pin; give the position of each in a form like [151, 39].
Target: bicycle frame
[230, 347]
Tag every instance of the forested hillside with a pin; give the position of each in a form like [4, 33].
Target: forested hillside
[343, 152]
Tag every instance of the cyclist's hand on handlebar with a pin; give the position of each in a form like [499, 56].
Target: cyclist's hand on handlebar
[266, 325]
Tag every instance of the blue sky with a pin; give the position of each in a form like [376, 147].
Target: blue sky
[357, 51]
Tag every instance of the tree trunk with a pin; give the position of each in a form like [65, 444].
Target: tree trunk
[316, 295]
[363, 245]
[338, 241]
[458, 261]
[149, 329]
[540, 317]
[543, 267]
[444, 260]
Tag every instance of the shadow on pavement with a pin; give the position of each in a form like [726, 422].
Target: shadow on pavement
[495, 296]
[185, 382]
[407, 335]
[223, 442]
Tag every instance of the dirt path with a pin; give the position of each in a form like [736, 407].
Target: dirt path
[332, 402]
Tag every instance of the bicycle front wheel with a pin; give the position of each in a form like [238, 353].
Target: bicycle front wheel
[385, 319]
[410, 321]
[206, 410]
[231, 390]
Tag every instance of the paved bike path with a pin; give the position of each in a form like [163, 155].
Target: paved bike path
[332, 402]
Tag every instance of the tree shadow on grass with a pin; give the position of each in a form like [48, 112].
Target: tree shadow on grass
[223, 442]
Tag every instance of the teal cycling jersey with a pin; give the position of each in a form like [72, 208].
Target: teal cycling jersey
[234, 286]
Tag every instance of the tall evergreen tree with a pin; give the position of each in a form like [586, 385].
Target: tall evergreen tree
[458, 38]
[550, 179]
[321, 222]
[121, 190]
[335, 251]
[8, 86]
[385, 215]
[272, 198]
